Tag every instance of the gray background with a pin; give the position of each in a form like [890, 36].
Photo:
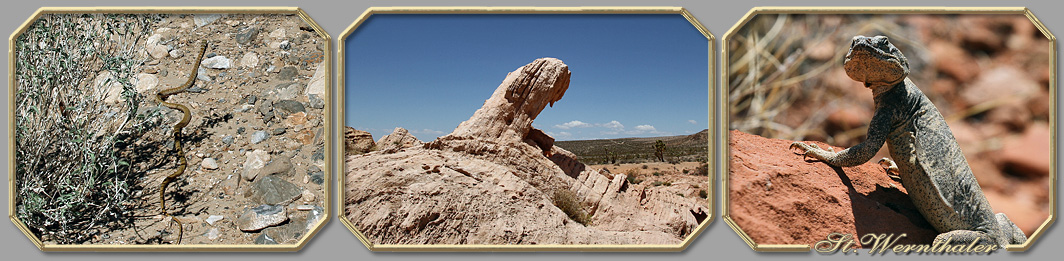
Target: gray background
[334, 241]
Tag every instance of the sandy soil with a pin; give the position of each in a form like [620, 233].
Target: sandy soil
[279, 60]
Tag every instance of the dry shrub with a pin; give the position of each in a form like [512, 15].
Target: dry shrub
[568, 202]
[73, 169]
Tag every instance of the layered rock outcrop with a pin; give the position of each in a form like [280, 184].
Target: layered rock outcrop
[358, 141]
[399, 139]
[497, 180]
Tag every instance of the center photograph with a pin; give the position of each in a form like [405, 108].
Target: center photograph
[526, 129]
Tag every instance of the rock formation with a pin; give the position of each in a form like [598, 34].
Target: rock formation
[777, 197]
[399, 139]
[497, 180]
[358, 141]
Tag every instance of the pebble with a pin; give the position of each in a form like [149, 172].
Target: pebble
[243, 108]
[146, 82]
[288, 90]
[196, 89]
[317, 82]
[251, 99]
[285, 45]
[264, 239]
[316, 101]
[304, 207]
[259, 136]
[263, 216]
[296, 119]
[278, 131]
[305, 136]
[230, 185]
[202, 75]
[245, 35]
[240, 130]
[176, 53]
[289, 106]
[204, 19]
[318, 155]
[250, 60]
[292, 145]
[266, 107]
[316, 176]
[158, 51]
[209, 163]
[279, 33]
[154, 39]
[273, 190]
[279, 165]
[213, 234]
[217, 62]
[308, 196]
[290, 232]
[214, 218]
[256, 160]
[316, 213]
[287, 73]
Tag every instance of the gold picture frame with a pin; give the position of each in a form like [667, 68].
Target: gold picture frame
[326, 121]
[339, 128]
[724, 110]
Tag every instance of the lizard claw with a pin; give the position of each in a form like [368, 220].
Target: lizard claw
[890, 167]
[801, 146]
[805, 148]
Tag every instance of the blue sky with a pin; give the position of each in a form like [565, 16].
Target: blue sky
[632, 75]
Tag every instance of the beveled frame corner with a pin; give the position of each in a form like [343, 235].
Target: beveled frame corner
[723, 109]
[339, 128]
[327, 113]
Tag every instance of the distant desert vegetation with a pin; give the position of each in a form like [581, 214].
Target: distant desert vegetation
[681, 148]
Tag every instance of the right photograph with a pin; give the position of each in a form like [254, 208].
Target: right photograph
[904, 130]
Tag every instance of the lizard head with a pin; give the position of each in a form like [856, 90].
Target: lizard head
[875, 61]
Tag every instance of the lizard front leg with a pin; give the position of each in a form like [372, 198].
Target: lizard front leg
[812, 150]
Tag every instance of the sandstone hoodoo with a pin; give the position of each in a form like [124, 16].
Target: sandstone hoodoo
[497, 180]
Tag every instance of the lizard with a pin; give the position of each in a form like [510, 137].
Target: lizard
[929, 161]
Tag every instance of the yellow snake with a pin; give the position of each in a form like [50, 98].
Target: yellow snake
[181, 162]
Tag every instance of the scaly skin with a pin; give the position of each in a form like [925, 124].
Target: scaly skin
[929, 162]
[186, 116]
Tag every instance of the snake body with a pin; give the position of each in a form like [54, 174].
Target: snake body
[182, 163]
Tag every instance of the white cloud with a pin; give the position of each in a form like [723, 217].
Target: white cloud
[426, 131]
[646, 128]
[615, 125]
[692, 121]
[572, 124]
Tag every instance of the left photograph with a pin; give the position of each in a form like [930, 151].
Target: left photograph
[169, 129]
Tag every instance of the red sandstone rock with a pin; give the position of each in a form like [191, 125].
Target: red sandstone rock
[1029, 155]
[777, 197]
